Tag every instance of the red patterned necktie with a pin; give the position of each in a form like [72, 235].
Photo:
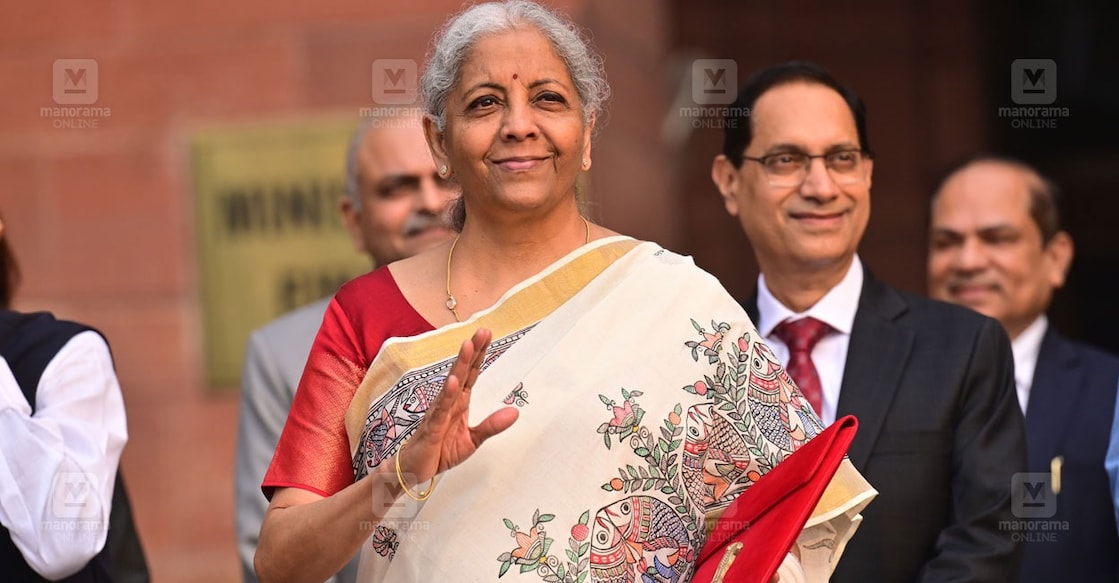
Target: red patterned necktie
[801, 337]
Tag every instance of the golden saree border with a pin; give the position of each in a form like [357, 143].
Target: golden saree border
[836, 518]
[848, 492]
[523, 305]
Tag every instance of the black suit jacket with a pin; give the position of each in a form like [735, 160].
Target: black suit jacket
[940, 437]
[1069, 413]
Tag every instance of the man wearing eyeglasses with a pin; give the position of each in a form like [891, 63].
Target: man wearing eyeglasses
[940, 436]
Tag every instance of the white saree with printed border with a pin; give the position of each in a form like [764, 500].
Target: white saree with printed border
[647, 403]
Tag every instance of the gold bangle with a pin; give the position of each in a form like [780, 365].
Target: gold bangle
[418, 496]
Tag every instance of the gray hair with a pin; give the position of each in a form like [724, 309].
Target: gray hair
[454, 41]
[353, 188]
[357, 139]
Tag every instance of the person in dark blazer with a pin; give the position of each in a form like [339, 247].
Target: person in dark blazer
[997, 247]
[940, 434]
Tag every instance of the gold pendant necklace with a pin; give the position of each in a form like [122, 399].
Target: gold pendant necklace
[451, 303]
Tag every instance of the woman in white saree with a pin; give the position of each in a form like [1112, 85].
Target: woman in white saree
[633, 397]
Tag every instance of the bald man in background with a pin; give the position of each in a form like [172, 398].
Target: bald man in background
[996, 246]
[393, 208]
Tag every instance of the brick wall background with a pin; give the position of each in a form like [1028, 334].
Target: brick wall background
[101, 218]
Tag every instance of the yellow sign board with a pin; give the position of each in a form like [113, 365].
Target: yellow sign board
[270, 233]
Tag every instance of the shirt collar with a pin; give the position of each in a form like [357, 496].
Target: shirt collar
[837, 308]
[1026, 348]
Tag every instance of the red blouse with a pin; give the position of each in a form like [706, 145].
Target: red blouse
[314, 451]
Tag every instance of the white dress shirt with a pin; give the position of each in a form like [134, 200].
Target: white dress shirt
[58, 466]
[1026, 348]
[837, 309]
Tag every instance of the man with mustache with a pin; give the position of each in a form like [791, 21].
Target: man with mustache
[996, 246]
[393, 209]
[940, 434]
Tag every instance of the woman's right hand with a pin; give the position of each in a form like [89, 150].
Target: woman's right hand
[444, 438]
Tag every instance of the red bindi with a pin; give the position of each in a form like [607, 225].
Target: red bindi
[514, 76]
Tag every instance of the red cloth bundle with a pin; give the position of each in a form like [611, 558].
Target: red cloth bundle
[767, 518]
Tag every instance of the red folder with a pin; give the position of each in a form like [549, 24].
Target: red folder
[760, 526]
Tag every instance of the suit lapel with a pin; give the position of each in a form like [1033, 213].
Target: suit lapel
[750, 304]
[876, 358]
[1054, 393]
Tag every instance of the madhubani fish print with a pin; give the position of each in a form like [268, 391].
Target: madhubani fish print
[715, 455]
[780, 410]
[423, 394]
[379, 435]
[395, 413]
[639, 538]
